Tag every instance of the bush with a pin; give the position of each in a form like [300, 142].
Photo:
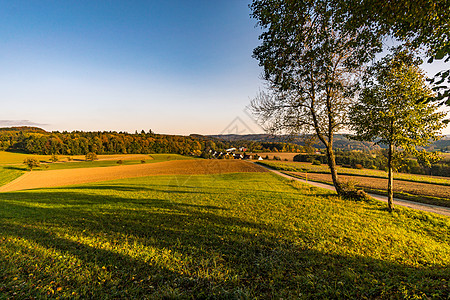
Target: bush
[316, 162]
[120, 162]
[143, 161]
[276, 158]
[350, 191]
[358, 166]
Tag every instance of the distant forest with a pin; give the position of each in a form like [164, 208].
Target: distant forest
[340, 141]
[38, 141]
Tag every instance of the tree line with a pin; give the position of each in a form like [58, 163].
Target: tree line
[34, 141]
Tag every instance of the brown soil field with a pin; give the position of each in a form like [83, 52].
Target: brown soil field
[55, 178]
[413, 188]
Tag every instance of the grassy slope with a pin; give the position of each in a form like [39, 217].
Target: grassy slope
[235, 235]
[8, 174]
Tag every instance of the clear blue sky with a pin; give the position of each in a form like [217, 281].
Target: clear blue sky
[174, 66]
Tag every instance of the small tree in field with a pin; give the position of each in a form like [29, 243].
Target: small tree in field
[54, 158]
[31, 163]
[394, 110]
[91, 156]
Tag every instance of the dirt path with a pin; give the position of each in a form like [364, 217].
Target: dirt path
[56, 178]
[414, 205]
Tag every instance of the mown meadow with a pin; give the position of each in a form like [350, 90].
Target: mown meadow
[233, 236]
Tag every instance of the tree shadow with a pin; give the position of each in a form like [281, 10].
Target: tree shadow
[245, 259]
[15, 168]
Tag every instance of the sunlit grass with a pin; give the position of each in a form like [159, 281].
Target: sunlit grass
[9, 173]
[221, 236]
[7, 158]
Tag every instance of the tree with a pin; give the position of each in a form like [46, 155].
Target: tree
[91, 156]
[394, 110]
[31, 162]
[54, 158]
[311, 68]
[417, 23]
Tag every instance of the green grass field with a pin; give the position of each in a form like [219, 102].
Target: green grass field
[9, 173]
[231, 236]
[7, 158]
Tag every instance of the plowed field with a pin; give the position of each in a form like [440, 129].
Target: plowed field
[54, 178]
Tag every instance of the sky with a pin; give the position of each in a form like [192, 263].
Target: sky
[175, 67]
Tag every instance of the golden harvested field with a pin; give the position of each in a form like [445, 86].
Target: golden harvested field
[55, 178]
[413, 188]
[9, 158]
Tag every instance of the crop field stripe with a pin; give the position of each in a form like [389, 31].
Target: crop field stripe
[55, 178]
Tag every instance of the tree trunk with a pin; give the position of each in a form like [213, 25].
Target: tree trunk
[390, 179]
[333, 170]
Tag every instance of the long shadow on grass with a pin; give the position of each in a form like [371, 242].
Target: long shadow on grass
[223, 255]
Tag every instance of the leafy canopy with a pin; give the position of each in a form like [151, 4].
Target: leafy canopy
[393, 107]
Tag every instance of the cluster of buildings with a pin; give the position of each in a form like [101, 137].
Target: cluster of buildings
[232, 154]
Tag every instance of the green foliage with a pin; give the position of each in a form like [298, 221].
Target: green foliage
[311, 67]
[393, 109]
[91, 156]
[417, 23]
[31, 162]
[316, 162]
[54, 158]
[234, 236]
[120, 162]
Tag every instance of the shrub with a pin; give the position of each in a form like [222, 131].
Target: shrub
[315, 162]
[358, 166]
[350, 191]
[120, 162]
[143, 161]
[276, 158]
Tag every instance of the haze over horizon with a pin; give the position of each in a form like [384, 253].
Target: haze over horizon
[177, 67]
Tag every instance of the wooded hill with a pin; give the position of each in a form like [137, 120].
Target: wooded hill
[38, 141]
[340, 141]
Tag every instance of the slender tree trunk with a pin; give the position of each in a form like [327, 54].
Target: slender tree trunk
[333, 170]
[390, 179]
